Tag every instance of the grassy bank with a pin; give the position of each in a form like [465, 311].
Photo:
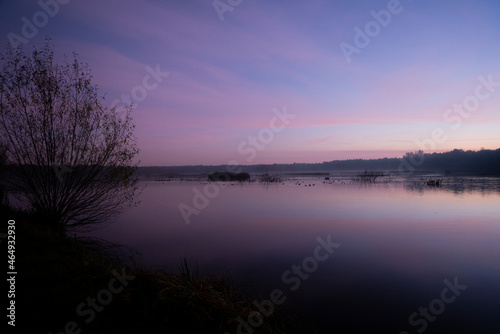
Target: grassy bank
[65, 286]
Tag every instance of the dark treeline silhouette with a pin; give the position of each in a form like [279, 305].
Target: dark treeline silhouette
[484, 162]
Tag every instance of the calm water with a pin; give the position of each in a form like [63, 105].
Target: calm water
[398, 241]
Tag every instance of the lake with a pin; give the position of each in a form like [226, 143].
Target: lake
[395, 256]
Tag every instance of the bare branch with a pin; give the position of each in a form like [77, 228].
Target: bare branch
[52, 119]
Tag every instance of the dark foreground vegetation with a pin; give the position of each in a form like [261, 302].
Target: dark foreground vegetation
[64, 286]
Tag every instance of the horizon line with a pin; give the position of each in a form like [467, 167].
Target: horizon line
[310, 163]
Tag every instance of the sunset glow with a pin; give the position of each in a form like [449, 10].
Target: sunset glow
[225, 77]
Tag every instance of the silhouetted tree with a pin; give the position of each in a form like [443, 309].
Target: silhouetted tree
[71, 157]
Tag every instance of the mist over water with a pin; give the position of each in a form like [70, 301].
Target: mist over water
[399, 242]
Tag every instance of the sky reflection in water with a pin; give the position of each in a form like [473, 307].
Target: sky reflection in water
[398, 243]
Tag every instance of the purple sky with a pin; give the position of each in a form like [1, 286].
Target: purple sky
[418, 79]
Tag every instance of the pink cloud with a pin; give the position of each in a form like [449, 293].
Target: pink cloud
[321, 140]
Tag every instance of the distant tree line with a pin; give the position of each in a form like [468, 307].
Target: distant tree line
[483, 162]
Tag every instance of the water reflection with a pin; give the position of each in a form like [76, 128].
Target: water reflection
[456, 185]
[399, 241]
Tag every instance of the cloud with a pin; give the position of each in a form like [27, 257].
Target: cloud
[321, 140]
